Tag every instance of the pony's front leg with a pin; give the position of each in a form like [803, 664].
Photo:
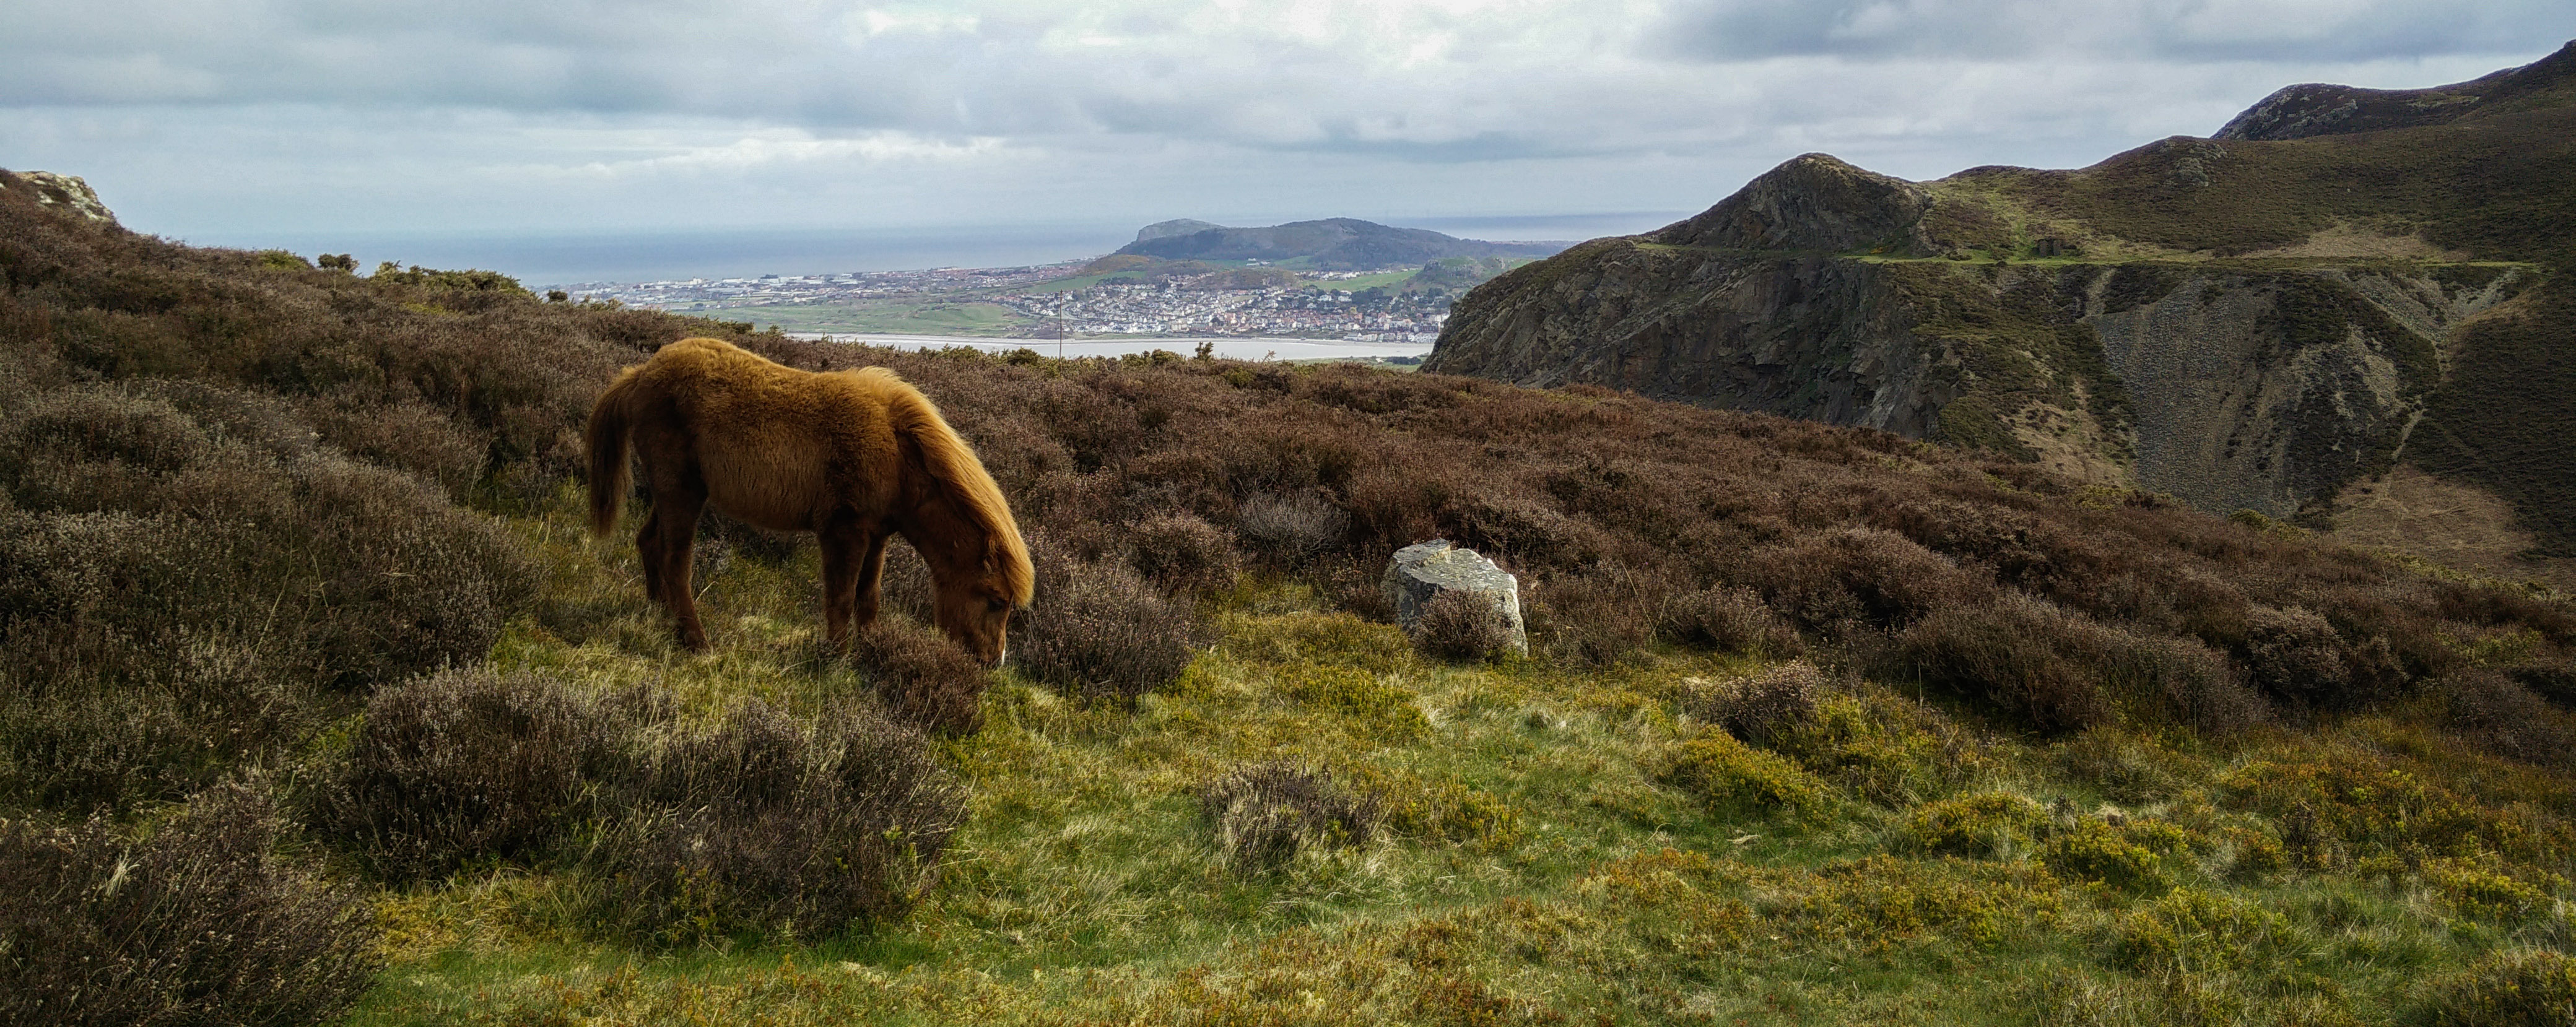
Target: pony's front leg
[871, 572]
[852, 559]
[847, 552]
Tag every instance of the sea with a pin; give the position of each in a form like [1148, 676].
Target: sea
[563, 259]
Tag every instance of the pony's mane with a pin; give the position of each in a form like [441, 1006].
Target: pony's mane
[955, 467]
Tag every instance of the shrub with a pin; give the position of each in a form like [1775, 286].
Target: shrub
[2091, 850]
[1764, 707]
[2500, 715]
[1337, 638]
[459, 766]
[1380, 709]
[2297, 655]
[1291, 528]
[1452, 812]
[2480, 888]
[2021, 654]
[1460, 625]
[1989, 824]
[921, 676]
[1183, 554]
[2511, 988]
[186, 581]
[198, 923]
[1889, 750]
[2126, 767]
[1859, 577]
[757, 824]
[1727, 620]
[1732, 780]
[1101, 631]
[2195, 931]
[1262, 816]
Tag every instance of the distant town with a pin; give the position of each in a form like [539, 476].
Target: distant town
[1070, 300]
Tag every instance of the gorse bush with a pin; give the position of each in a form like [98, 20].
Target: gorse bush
[1735, 781]
[200, 922]
[2512, 988]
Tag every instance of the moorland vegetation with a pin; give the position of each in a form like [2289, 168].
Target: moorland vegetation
[303, 642]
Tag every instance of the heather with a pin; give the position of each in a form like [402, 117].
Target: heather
[1819, 725]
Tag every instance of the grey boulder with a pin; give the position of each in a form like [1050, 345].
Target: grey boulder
[1422, 571]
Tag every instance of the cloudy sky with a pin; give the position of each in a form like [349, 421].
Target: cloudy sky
[234, 120]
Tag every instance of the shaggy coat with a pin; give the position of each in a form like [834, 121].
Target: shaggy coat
[852, 456]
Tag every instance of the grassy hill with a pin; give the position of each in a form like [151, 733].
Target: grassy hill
[301, 635]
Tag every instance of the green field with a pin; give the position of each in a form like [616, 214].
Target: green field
[922, 318]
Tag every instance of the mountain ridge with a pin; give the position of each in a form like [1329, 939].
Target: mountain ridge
[2242, 322]
[1328, 244]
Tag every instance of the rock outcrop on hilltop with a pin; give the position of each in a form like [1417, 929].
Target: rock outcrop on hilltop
[2250, 322]
[64, 192]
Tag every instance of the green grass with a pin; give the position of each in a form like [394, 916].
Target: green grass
[1559, 850]
[935, 317]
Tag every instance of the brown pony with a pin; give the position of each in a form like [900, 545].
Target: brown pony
[851, 456]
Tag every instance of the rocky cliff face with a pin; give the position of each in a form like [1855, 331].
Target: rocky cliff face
[2255, 324]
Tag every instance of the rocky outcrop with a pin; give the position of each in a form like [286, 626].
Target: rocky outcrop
[66, 193]
[2228, 387]
[1810, 337]
[2272, 391]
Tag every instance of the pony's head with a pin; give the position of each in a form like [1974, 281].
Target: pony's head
[979, 565]
[977, 614]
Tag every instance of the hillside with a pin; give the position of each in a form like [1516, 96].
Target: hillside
[304, 649]
[2345, 285]
[1333, 244]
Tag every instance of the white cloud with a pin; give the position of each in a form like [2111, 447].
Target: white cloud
[805, 111]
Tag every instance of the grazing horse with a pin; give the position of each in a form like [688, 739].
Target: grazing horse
[852, 456]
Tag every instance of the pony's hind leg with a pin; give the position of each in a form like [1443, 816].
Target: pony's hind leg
[648, 551]
[675, 514]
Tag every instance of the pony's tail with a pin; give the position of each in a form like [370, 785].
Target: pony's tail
[610, 425]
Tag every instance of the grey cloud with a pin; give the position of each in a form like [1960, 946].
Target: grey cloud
[2306, 30]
